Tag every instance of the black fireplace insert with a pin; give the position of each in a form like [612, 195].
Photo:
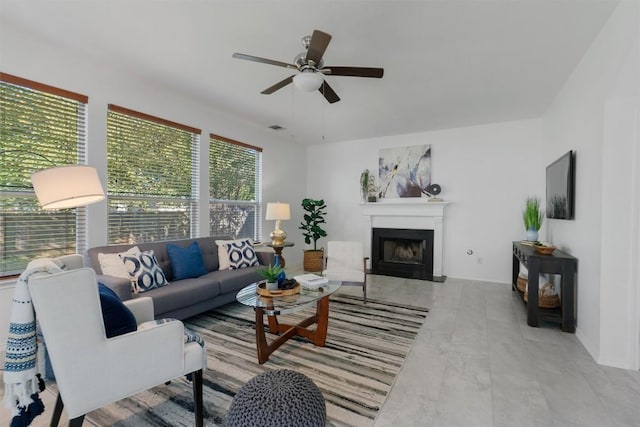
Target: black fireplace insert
[402, 253]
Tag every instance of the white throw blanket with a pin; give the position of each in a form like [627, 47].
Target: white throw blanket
[20, 376]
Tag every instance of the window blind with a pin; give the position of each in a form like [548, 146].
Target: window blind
[235, 183]
[152, 178]
[40, 127]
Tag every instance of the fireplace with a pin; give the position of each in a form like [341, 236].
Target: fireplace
[402, 253]
[415, 216]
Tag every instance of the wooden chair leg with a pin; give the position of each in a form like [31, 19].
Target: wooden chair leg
[197, 398]
[76, 422]
[57, 412]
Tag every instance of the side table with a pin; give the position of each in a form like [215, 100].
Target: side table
[278, 250]
[556, 263]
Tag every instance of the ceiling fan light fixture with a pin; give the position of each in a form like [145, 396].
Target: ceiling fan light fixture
[308, 81]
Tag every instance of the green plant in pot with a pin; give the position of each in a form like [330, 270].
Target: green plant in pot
[368, 187]
[532, 217]
[364, 184]
[312, 232]
[271, 273]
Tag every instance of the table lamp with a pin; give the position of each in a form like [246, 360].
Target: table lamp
[278, 212]
[67, 186]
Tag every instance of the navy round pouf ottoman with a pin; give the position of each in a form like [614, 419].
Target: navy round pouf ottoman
[278, 399]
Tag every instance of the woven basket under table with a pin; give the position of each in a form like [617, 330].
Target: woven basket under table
[545, 301]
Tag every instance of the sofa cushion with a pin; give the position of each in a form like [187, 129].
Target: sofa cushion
[241, 254]
[144, 271]
[117, 317]
[186, 262]
[112, 264]
[184, 293]
[231, 281]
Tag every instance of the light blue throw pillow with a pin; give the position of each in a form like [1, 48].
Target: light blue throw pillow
[186, 262]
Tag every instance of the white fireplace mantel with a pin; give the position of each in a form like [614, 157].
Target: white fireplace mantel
[417, 214]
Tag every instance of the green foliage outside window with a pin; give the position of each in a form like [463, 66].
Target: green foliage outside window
[234, 185]
[38, 130]
[151, 169]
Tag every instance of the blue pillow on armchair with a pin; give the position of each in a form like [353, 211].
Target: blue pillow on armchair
[186, 262]
[117, 317]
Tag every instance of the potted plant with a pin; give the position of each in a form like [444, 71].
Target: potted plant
[368, 187]
[312, 231]
[271, 273]
[364, 184]
[532, 217]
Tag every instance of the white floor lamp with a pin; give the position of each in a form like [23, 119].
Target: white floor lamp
[66, 187]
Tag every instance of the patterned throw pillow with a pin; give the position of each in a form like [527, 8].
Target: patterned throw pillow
[241, 254]
[144, 271]
[112, 265]
[223, 255]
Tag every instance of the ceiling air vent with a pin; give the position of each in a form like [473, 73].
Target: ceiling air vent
[276, 127]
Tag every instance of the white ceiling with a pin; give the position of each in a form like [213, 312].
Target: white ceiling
[447, 63]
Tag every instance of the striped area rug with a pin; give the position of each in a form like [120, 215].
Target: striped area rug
[365, 348]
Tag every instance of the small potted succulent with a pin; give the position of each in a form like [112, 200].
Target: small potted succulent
[271, 273]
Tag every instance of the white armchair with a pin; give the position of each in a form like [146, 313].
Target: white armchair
[345, 262]
[91, 370]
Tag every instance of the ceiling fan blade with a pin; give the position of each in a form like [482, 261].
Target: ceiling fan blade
[317, 46]
[328, 93]
[264, 60]
[376, 73]
[279, 85]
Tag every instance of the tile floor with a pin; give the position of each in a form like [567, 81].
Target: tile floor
[477, 363]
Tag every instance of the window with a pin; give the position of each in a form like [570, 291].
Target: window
[235, 175]
[40, 127]
[152, 178]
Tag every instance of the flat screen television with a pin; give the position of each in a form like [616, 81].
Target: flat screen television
[561, 187]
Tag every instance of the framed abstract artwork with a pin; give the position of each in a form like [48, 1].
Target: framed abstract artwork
[404, 171]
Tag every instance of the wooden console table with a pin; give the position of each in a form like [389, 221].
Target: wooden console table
[557, 263]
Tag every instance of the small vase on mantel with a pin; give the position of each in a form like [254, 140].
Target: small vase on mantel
[532, 234]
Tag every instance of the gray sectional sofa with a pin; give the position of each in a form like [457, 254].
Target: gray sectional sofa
[186, 297]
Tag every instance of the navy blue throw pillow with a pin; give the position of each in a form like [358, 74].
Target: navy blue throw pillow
[186, 262]
[118, 319]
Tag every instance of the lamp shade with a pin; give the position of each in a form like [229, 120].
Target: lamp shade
[308, 81]
[67, 186]
[278, 211]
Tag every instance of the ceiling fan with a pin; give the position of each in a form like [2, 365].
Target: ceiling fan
[312, 69]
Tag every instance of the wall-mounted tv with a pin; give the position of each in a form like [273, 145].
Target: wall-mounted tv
[561, 187]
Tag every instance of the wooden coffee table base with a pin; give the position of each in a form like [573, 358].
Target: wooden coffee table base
[317, 336]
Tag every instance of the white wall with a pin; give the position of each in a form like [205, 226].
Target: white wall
[596, 114]
[486, 173]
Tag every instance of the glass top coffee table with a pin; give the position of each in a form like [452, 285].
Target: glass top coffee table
[274, 306]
